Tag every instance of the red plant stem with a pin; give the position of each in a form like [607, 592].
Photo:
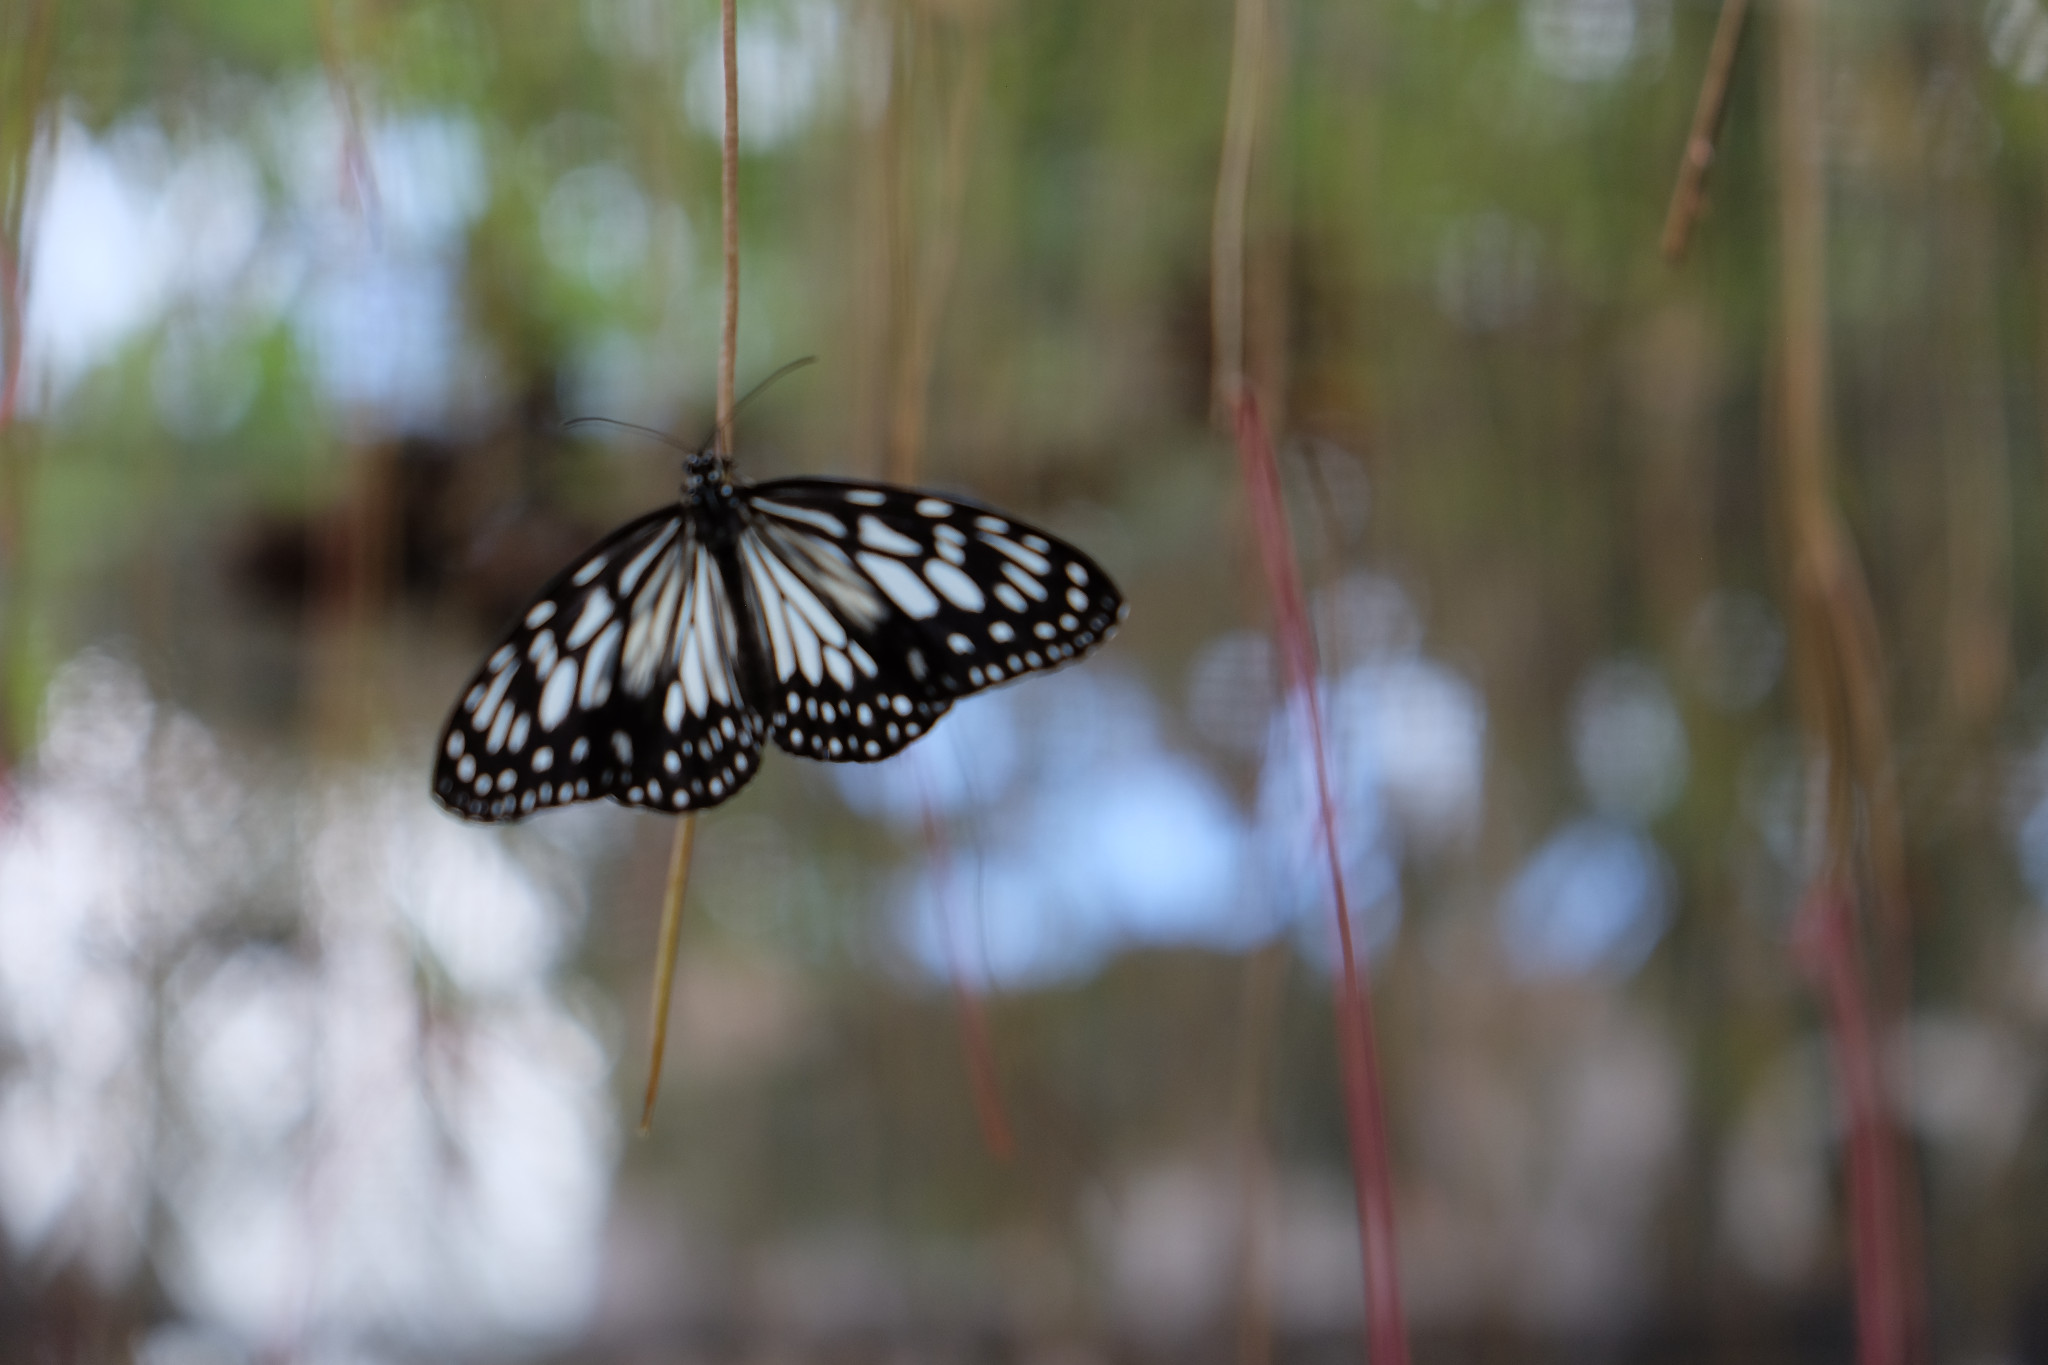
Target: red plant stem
[974, 1043]
[1372, 1180]
[1826, 947]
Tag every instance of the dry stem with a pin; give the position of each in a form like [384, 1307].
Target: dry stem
[1689, 196]
[728, 347]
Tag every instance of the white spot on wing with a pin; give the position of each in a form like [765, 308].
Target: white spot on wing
[590, 570]
[556, 696]
[962, 591]
[867, 497]
[903, 586]
[540, 613]
[934, 507]
[881, 536]
[597, 609]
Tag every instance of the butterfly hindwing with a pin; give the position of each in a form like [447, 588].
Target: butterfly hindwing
[883, 604]
[617, 681]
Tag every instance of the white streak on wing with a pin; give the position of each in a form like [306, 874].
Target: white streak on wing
[756, 557]
[824, 521]
[650, 641]
[1037, 563]
[489, 705]
[1032, 587]
[903, 586]
[555, 698]
[721, 635]
[825, 568]
[695, 688]
[839, 668]
[808, 651]
[957, 588]
[597, 609]
[881, 536]
[804, 603]
[590, 570]
[672, 706]
[597, 667]
[630, 575]
[500, 728]
[861, 659]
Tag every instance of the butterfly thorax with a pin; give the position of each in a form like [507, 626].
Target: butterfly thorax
[711, 496]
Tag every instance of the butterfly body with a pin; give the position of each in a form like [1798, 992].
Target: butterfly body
[839, 618]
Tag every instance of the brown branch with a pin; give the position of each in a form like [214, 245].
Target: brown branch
[1689, 196]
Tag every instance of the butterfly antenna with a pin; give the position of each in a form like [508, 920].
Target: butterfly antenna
[660, 436]
[755, 392]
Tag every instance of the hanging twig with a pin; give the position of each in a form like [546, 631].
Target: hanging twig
[1689, 196]
[728, 345]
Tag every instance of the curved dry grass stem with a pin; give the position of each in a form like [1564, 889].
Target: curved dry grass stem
[1840, 674]
[665, 959]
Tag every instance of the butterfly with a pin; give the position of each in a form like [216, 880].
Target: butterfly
[841, 619]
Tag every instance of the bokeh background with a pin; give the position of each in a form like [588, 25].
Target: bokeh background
[293, 1066]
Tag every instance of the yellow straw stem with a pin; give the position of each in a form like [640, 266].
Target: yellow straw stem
[665, 978]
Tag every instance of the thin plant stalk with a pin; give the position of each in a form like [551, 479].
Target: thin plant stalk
[1840, 696]
[665, 959]
[1372, 1180]
[1689, 195]
[684, 847]
[927, 306]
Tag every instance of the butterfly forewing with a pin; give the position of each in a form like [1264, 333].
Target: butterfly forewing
[618, 680]
[883, 604]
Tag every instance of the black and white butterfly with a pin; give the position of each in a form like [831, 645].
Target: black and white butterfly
[841, 619]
